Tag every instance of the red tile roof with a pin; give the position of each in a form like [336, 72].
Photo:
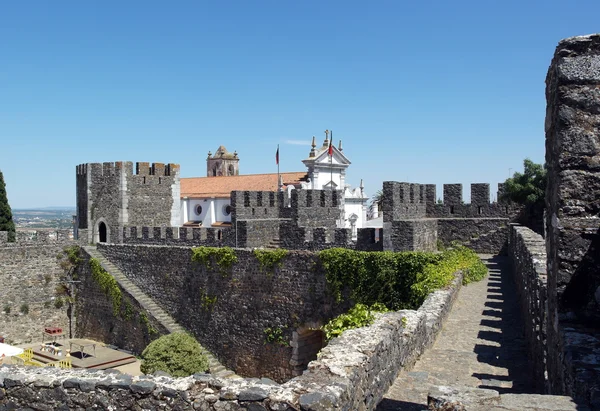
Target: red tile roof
[221, 187]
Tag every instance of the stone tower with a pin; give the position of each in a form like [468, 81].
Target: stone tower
[223, 163]
[113, 195]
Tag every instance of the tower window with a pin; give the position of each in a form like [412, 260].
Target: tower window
[198, 209]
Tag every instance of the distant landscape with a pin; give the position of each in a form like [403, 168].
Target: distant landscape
[47, 217]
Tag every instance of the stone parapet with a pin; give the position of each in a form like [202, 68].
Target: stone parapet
[527, 251]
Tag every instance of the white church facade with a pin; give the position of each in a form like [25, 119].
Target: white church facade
[205, 201]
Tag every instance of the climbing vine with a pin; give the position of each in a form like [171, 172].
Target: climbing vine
[223, 257]
[269, 259]
[108, 284]
[144, 320]
[207, 301]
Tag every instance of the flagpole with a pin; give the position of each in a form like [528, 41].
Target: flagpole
[278, 177]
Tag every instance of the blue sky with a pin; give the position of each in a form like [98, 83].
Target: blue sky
[428, 92]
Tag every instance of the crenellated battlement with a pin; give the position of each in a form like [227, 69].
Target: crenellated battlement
[184, 236]
[258, 204]
[126, 167]
[408, 200]
[156, 169]
[453, 205]
[316, 198]
[36, 237]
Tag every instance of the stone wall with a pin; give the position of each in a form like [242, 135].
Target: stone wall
[413, 220]
[483, 235]
[29, 275]
[352, 373]
[573, 212]
[129, 327]
[229, 310]
[527, 251]
[410, 235]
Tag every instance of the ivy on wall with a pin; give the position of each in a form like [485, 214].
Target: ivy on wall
[396, 280]
[108, 284]
[146, 322]
[269, 259]
[382, 281]
[223, 257]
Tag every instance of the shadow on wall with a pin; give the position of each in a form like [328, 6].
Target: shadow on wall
[582, 294]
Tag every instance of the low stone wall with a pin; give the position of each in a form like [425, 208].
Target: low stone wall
[527, 251]
[352, 373]
[445, 398]
[577, 353]
[29, 275]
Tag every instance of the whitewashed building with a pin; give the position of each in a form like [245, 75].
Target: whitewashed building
[205, 201]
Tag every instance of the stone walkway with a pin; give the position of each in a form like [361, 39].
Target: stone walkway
[481, 345]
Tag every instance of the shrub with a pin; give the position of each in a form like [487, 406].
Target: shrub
[358, 316]
[58, 303]
[7, 309]
[178, 354]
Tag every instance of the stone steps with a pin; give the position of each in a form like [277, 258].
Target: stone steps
[154, 309]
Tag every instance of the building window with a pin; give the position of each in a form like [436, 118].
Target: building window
[226, 210]
[198, 209]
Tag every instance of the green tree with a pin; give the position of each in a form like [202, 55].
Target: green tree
[526, 188]
[378, 199]
[178, 354]
[6, 219]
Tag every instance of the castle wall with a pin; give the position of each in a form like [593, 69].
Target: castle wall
[229, 311]
[572, 202]
[316, 208]
[132, 328]
[366, 362]
[413, 220]
[29, 275]
[410, 235]
[482, 235]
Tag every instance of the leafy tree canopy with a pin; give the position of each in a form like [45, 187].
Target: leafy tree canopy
[178, 354]
[526, 188]
[6, 219]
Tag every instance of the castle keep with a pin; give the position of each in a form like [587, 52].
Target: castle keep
[111, 196]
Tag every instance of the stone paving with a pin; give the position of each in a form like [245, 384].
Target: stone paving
[481, 345]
